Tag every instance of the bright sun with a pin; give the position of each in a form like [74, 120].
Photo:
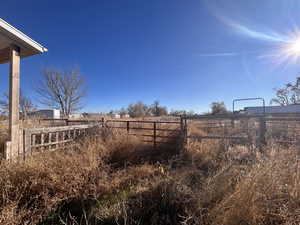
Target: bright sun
[290, 52]
[294, 47]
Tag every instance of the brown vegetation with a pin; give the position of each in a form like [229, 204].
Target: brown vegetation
[117, 179]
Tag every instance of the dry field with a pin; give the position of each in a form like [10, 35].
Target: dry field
[117, 179]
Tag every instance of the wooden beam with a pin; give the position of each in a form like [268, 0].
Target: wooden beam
[14, 95]
[4, 55]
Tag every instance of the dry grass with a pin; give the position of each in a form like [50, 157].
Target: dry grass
[117, 179]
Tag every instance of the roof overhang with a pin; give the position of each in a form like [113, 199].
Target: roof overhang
[10, 36]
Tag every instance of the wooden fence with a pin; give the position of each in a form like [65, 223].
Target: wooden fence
[239, 127]
[65, 135]
[52, 138]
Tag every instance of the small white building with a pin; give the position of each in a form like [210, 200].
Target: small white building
[116, 116]
[125, 116]
[46, 114]
[273, 109]
[76, 116]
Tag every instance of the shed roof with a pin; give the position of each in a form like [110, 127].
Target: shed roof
[9, 35]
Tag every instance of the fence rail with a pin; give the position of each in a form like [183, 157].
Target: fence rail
[53, 138]
[257, 129]
[152, 127]
[282, 128]
[156, 132]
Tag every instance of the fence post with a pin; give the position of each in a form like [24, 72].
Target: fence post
[232, 122]
[102, 121]
[27, 142]
[262, 133]
[185, 131]
[181, 124]
[154, 134]
[128, 127]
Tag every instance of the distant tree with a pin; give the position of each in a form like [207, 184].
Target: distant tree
[138, 109]
[123, 112]
[288, 95]
[178, 112]
[190, 113]
[157, 110]
[218, 108]
[26, 105]
[62, 89]
[111, 112]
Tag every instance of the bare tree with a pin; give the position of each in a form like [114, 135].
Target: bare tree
[62, 89]
[288, 95]
[218, 108]
[157, 110]
[26, 105]
[138, 109]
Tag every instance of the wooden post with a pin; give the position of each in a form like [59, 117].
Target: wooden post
[154, 134]
[57, 139]
[128, 127]
[262, 133]
[14, 95]
[49, 140]
[181, 125]
[42, 138]
[102, 121]
[33, 140]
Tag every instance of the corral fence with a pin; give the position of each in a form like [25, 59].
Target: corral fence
[257, 130]
[155, 132]
[66, 132]
[151, 131]
[254, 130]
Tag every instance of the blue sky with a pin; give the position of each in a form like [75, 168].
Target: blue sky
[184, 53]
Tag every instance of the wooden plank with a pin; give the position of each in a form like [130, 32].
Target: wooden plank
[27, 142]
[42, 138]
[56, 129]
[52, 143]
[33, 140]
[154, 134]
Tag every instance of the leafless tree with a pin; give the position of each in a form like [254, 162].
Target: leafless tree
[26, 105]
[288, 95]
[62, 89]
[218, 108]
[157, 110]
[138, 109]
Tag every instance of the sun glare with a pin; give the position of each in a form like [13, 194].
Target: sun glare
[294, 47]
[290, 51]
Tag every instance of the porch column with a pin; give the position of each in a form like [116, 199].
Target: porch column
[14, 95]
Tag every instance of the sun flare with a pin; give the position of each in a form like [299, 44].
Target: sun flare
[291, 50]
[294, 47]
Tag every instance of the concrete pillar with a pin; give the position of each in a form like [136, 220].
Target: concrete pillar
[14, 96]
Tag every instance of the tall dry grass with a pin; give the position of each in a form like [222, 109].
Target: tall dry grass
[118, 179]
